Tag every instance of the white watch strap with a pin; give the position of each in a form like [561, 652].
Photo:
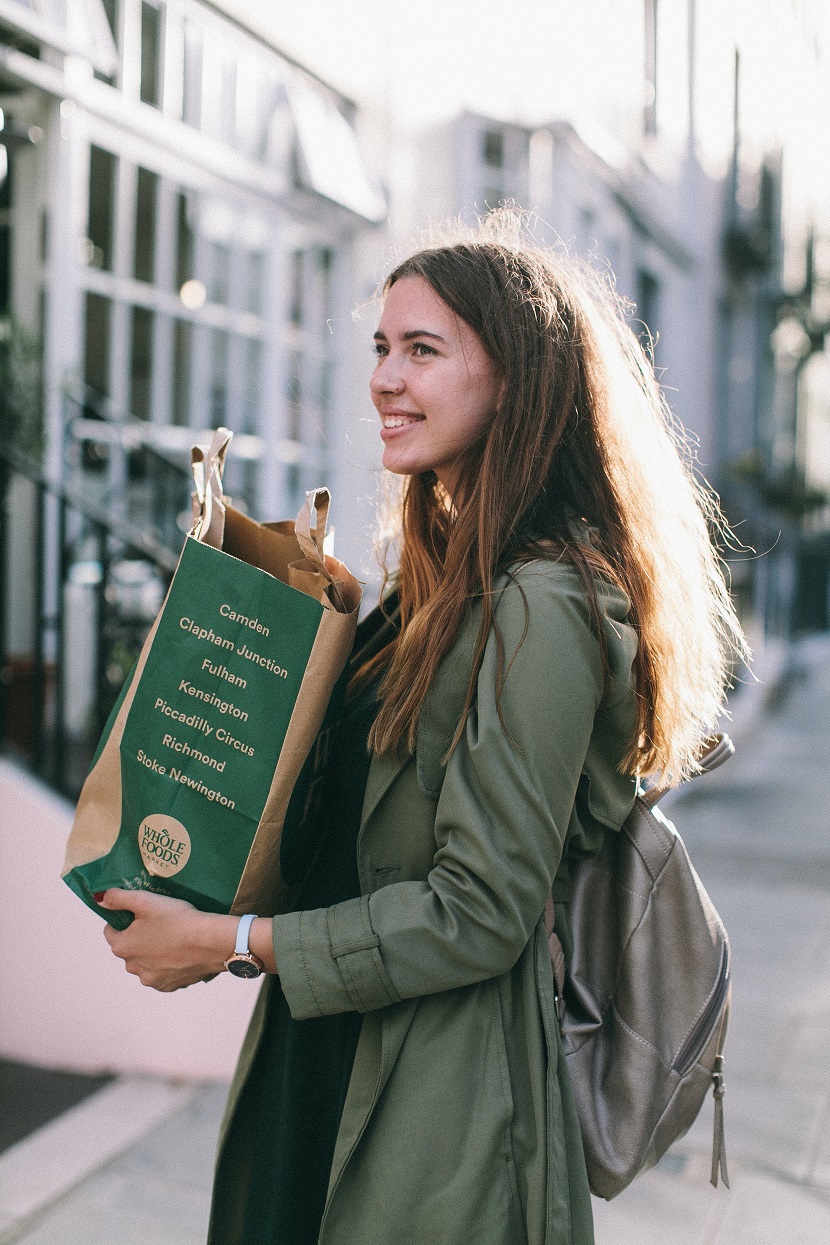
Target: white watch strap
[242, 932]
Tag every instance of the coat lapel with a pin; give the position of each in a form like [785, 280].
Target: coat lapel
[439, 718]
[383, 771]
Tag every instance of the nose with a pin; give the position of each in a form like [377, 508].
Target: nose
[386, 377]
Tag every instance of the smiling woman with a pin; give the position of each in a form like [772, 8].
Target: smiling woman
[434, 386]
[557, 626]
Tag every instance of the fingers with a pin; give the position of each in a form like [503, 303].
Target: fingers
[117, 900]
[165, 978]
[165, 984]
[143, 903]
[163, 946]
[121, 942]
[115, 940]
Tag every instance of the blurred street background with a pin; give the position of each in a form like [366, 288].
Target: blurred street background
[198, 200]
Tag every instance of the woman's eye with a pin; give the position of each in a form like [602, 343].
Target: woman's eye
[421, 348]
[380, 350]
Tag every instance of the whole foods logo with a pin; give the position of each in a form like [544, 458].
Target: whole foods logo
[164, 844]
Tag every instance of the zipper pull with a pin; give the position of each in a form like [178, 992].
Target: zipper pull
[718, 1139]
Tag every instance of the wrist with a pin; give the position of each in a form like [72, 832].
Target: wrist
[249, 950]
[261, 942]
[216, 936]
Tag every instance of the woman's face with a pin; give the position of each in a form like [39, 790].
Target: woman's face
[434, 386]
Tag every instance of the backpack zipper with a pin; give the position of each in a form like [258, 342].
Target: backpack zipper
[691, 1047]
[689, 1053]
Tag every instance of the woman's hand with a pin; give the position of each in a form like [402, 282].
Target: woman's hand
[170, 944]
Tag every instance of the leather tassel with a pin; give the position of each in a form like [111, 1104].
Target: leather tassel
[718, 1140]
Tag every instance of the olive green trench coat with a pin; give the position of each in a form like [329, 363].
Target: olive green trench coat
[459, 1126]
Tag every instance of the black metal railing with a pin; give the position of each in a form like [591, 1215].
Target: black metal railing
[79, 590]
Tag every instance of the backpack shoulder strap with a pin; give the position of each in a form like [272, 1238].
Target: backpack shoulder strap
[716, 749]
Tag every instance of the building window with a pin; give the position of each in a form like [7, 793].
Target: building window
[5, 268]
[219, 378]
[184, 242]
[650, 68]
[252, 290]
[150, 88]
[141, 361]
[295, 308]
[144, 255]
[648, 309]
[182, 350]
[111, 10]
[220, 273]
[101, 221]
[492, 157]
[325, 260]
[492, 148]
[193, 60]
[97, 347]
[253, 384]
[292, 485]
[5, 235]
[326, 368]
[295, 399]
[100, 35]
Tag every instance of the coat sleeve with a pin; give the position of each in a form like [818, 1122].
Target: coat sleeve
[501, 819]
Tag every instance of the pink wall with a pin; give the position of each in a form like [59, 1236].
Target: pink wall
[65, 1001]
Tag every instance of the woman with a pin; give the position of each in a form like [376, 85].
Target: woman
[558, 626]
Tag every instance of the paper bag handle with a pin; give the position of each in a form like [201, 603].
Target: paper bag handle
[209, 498]
[311, 539]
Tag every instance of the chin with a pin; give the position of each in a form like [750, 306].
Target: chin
[400, 466]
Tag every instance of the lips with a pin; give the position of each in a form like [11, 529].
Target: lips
[396, 423]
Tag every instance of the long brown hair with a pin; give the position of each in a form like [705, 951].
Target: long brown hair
[582, 436]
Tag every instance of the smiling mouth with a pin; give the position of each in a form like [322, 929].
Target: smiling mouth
[400, 421]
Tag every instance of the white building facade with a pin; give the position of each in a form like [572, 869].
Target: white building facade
[183, 201]
[180, 209]
[691, 172]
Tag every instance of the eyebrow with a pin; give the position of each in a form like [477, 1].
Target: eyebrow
[410, 334]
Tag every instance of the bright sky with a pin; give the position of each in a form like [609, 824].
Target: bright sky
[535, 60]
[433, 60]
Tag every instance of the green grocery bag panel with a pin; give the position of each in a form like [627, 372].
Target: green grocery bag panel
[215, 732]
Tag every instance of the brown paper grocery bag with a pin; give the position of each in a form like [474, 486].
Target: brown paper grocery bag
[219, 739]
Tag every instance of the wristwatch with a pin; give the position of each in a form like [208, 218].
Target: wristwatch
[243, 963]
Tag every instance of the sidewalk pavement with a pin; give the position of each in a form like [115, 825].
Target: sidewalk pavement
[132, 1164]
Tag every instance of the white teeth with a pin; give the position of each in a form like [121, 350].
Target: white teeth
[393, 421]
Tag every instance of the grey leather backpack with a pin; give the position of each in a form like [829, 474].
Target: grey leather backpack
[644, 1002]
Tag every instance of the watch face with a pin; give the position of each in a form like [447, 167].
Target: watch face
[243, 968]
